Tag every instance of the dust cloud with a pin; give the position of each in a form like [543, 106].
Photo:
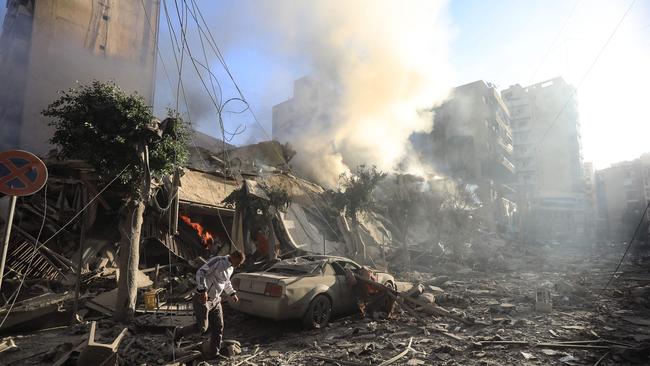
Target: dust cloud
[379, 68]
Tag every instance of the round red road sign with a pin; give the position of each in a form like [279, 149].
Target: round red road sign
[21, 173]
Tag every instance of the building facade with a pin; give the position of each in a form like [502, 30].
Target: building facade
[547, 152]
[591, 198]
[47, 46]
[472, 141]
[624, 192]
[307, 107]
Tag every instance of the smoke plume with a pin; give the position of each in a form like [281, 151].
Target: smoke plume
[375, 69]
[378, 67]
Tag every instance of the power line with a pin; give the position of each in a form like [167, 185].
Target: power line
[182, 88]
[222, 60]
[627, 249]
[573, 92]
[37, 247]
[31, 259]
[557, 37]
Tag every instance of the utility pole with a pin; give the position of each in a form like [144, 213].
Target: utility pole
[7, 236]
[82, 241]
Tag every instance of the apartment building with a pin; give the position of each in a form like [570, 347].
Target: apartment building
[625, 191]
[47, 46]
[308, 105]
[547, 152]
[472, 141]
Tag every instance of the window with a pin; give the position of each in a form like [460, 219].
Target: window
[341, 266]
[348, 265]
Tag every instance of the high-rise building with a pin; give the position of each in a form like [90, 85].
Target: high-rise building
[591, 213]
[48, 46]
[547, 152]
[471, 140]
[307, 106]
[624, 192]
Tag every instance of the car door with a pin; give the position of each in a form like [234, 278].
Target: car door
[348, 300]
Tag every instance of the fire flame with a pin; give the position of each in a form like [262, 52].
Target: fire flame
[205, 235]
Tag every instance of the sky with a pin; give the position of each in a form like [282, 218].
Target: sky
[525, 42]
[504, 42]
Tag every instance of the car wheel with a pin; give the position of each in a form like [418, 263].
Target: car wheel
[319, 313]
[390, 285]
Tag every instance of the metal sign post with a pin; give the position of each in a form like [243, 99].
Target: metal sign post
[21, 174]
[5, 242]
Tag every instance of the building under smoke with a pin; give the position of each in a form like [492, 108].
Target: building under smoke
[591, 203]
[292, 116]
[47, 46]
[471, 141]
[624, 191]
[547, 153]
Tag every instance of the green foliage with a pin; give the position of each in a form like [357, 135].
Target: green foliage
[447, 213]
[457, 224]
[278, 199]
[101, 124]
[354, 194]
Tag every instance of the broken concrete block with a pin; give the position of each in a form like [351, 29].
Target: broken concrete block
[549, 352]
[437, 281]
[8, 345]
[568, 359]
[231, 350]
[97, 353]
[507, 307]
[428, 297]
[435, 289]
[141, 279]
[415, 291]
[528, 356]
[415, 362]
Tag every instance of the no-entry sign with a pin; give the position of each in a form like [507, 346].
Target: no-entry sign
[21, 173]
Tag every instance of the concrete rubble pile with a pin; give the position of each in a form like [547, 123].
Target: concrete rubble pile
[499, 303]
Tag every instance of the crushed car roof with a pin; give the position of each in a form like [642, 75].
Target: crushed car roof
[327, 258]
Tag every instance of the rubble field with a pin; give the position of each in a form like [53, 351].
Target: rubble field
[494, 321]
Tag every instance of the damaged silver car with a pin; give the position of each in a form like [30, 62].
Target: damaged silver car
[312, 288]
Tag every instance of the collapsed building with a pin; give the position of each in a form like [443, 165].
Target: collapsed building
[227, 198]
[187, 221]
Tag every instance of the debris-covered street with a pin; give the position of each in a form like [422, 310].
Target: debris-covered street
[581, 328]
[324, 182]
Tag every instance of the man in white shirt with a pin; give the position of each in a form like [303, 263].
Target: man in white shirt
[212, 279]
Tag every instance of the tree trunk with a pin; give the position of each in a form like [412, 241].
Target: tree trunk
[406, 255]
[127, 290]
[359, 245]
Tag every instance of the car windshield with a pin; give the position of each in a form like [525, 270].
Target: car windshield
[296, 266]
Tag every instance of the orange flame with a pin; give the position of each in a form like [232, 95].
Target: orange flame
[206, 236]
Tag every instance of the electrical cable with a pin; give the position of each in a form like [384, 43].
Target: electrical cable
[171, 200]
[182, 88]
[573, 91]
[31, 259]
[243, 99]
[557, 37]
[627, 249]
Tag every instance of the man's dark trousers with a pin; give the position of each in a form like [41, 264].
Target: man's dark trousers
[207, 317]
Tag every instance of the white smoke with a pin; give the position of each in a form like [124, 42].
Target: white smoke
[380, 67]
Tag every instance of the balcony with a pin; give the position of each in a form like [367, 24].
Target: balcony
[504, 165]
[505, 146]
